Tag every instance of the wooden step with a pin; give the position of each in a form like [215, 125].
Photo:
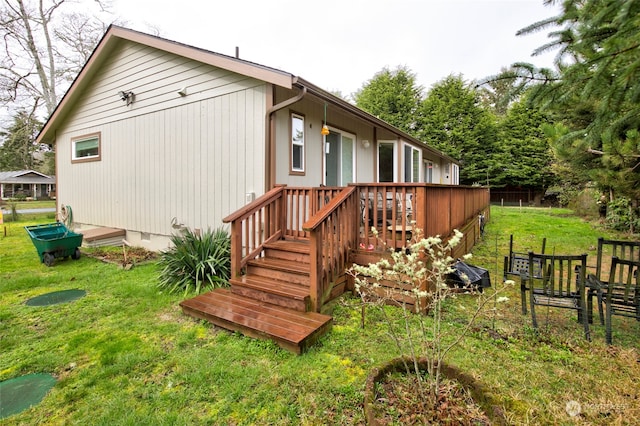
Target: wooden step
[292, 330]
[294, 250]
[98, 237]
[279, 269]
[281, 293]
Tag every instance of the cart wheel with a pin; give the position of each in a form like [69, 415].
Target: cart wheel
[76, 254]
[48, 258]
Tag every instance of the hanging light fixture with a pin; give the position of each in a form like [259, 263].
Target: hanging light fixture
[325, 129]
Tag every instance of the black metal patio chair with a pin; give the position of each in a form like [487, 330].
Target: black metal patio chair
[561, 285]
[622, 294]
[516, 262]
[597, 281]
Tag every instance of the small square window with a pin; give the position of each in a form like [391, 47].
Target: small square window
[85, 148]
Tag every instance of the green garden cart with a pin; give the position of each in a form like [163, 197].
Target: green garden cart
[54, 240]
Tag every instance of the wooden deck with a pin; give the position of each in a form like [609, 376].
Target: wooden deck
[290, 249]
[270, 301]
[292, 330]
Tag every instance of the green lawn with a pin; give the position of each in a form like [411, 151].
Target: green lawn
[39, 204]
[125, 354]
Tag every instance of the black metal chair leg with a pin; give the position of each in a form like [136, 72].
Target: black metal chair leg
[533, 312]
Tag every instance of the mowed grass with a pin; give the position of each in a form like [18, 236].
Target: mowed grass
[39, 204]
[125, 354]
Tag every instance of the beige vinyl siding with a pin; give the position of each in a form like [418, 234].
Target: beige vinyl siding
[314, 150]
[193, 158]
[155, 78]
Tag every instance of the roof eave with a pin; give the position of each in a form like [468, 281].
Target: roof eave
[115, 34]
[354, 110]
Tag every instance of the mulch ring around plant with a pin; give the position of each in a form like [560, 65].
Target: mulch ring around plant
[20, 393]
[392, 397]
[53, 298]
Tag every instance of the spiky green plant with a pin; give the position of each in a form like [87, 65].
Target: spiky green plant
[196, 262]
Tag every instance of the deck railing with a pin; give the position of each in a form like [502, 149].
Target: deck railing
[332, 235]
[254, 225]
[280, 213]
[337, 220]
[302, 204]
[395, 210]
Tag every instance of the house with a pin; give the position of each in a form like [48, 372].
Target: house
[154, 135]
[26, 183]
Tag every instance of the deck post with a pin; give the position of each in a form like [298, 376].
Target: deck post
[236, 248]
[282, 213]
[315, 274]
[420, 209]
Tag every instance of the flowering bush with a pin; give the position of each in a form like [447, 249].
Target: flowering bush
[415, 278]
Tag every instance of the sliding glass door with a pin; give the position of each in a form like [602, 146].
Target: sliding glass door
[339, 158]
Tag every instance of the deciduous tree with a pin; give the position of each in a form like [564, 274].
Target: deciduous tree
[44, 45]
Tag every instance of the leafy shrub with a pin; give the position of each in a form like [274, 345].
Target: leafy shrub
[621, 215]
[582, 202]
[196, 262]
[19, 196]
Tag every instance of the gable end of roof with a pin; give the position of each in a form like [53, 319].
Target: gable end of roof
[115, 34]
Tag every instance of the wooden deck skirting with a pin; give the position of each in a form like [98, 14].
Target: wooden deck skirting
[290, 249]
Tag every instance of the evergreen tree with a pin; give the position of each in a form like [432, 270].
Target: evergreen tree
[392, 96]
[594, 93]
[18, 143]
[525, 155]
[497, 95]
[453, 120]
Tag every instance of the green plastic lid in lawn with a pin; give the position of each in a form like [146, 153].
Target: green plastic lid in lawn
[62, 296]
[22, 392]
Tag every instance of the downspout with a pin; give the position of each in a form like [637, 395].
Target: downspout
[270, 138]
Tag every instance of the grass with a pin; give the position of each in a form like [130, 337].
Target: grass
[38, 204]
[125, 354]
[46, 217]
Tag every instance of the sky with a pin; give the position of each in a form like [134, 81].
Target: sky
[339, 45]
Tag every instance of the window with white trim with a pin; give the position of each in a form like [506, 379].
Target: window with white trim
[86, 148]
[386, 161]
[411, 164]
[297, 144]
[428, 172]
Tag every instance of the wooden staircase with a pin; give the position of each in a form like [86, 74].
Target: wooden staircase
[270, 301]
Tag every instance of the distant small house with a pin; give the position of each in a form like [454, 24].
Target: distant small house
[154, 135]
[26, 183]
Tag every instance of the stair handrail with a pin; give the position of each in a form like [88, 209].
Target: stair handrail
[254, 225]
[329, 251]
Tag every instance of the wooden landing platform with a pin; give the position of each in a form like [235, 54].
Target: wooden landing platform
[292, 330]
[102, 236]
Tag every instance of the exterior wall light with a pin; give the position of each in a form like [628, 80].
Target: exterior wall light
[127, 97]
